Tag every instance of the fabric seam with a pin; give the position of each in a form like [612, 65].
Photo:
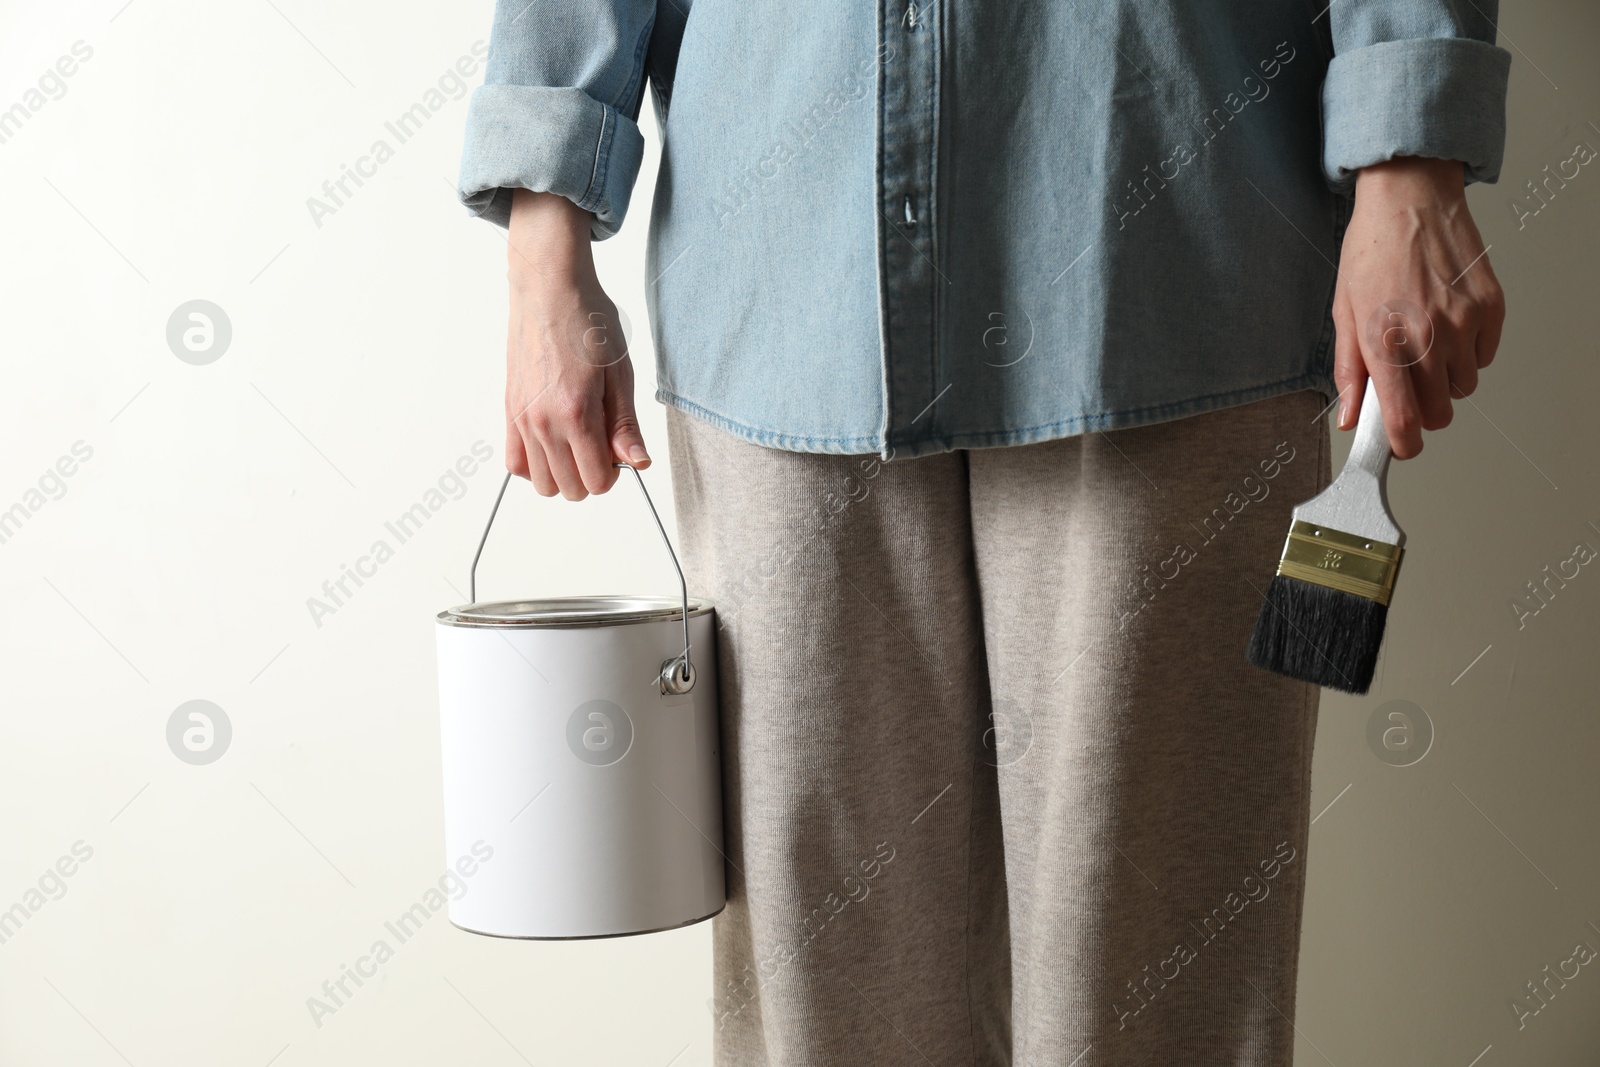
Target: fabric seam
[973, 776]
[1312, 379]
[1319, 354]
[936, 303]
[600, 153]
[1312, 699]
[636, 76]
[880, 239]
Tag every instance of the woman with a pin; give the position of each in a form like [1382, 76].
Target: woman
[996, 340]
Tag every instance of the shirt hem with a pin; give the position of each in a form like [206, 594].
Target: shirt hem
[1127, 418]
[771, 438]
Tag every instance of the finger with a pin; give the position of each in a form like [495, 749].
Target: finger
[516, 456]
[1349, 372]
[564, 469]
[1430, 379]
[1401, 420]
[1488, 339]
[592, 454]
[627, 440]
[1463, 368]
[578, 419]
[1388, 346]
[539, 471]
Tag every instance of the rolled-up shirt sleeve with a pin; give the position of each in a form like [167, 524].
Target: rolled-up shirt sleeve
[1414, 78]
[558, 110]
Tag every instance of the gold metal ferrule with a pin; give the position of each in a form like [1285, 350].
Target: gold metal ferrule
[1337, 560]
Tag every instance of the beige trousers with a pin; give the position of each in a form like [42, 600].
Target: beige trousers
[1000, 785]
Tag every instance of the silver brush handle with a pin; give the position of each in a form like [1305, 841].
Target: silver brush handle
[1357, 502]
[1370, 450]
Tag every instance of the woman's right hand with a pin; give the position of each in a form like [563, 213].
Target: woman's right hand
[569, 382]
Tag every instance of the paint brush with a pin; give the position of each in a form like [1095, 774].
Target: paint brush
[1326, 607]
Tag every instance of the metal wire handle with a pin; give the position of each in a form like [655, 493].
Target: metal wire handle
[677, 674]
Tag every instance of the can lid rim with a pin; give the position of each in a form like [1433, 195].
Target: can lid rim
[572, 612]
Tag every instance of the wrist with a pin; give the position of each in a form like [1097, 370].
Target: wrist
[1407, 174]
[548, 238]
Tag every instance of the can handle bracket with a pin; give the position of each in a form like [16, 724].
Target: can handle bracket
[677, 674]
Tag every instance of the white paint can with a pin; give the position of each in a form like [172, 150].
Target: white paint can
[580, 754]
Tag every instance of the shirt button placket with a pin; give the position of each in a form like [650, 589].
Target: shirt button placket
[907, 143]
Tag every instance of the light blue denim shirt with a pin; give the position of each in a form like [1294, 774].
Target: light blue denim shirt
[910, 227]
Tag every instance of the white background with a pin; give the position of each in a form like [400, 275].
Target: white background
[367, 357]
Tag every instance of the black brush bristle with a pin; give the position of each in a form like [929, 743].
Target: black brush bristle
[1318, 635]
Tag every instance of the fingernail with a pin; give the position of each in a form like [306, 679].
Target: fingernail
[1344, 413]
[638, 454]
